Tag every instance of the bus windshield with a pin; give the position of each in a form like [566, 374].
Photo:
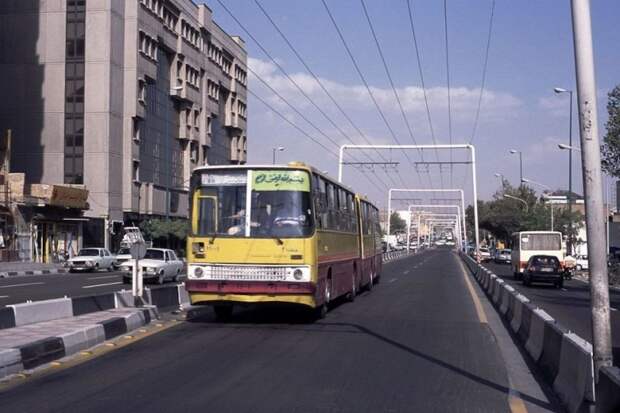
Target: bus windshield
[279, 205]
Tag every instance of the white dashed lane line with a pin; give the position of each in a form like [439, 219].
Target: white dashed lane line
[392, 280]
[20, 285]
[104, 277]
[102, 285]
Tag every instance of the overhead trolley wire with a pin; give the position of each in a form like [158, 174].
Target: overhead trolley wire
[361, 75]
[318, 81]
[273, 60]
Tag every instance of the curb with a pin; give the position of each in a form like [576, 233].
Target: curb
[34, 354]
[7, 274]
[564, 359]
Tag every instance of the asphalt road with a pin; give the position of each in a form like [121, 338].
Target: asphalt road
[42, 287]
[570, 306]
[416, 343]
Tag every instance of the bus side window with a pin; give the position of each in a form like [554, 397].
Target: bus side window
[331, 206]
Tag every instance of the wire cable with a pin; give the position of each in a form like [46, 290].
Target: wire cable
[445, 20]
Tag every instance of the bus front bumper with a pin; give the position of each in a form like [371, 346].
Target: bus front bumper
[251, 292]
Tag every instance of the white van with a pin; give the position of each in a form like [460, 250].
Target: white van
[526, 244]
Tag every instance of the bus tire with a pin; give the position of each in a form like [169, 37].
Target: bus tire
[351, 295]
[320, 312]
[223, 312]
[371, 281]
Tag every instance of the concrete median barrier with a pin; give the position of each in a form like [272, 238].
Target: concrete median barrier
[574, 382]
[549, 361]
[10, 362]
[536, 339]
[517, 320]
[608, 390]
[42, 351]
[38, 311]
[563, 358]
[92, 303]
[7, 317]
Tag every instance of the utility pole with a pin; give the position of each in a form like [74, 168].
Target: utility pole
[592, 184]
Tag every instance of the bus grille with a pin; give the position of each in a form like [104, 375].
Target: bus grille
[246, 273]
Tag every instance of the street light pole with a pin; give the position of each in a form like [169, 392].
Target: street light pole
[569, 198]
[592, 180]
[274, 150]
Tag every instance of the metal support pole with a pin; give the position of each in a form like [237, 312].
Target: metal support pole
[551, 207]
[389, 213]
[418, 232]
[475, 191]
[408, 230]
[520, 167]
[592, 185]
[570, 175]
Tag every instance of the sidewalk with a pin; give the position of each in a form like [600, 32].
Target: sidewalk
[31, 345]
[15, 268]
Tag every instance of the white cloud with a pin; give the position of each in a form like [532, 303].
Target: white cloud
[554, 105]
[355, 97]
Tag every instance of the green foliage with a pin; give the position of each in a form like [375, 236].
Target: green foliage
[503, 216]
[397, 224]
[610, 150]
[157, 229]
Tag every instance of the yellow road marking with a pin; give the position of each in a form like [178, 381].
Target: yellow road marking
[515, 402]
[482, 317]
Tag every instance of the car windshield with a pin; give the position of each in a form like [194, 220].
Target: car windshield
[124, 251]
[506, 251]
[280, 204]
[89, 252]
[154, 255]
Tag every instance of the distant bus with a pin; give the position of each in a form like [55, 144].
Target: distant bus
[278, 234]
[529, 243]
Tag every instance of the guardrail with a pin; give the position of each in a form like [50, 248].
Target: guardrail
[393, 255]
[564, 358]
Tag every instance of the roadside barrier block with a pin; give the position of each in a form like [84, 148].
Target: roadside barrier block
[123, 299]
[92, 303]
[183, 295]
[42, 351]
[534, 344]
[527, 309]
[549, 361]
[608, 390]
[574, 383]
[114, 327]
[10, 362]
[166, 296]
[497, 289]
[517, 311]
[82, 339]
[37, 311]
[506, 292]
[7, 317]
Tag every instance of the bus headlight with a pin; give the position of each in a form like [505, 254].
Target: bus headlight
[198, 272]
[298, 274]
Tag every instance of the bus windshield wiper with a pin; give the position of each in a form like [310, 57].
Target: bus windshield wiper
[212, 238]
[278, 239]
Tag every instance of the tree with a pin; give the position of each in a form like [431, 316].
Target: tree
[397, 224]
[170, 233]
[610, 150]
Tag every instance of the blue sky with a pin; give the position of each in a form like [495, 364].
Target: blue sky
[531, 52]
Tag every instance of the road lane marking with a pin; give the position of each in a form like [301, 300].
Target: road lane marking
[479, 309]
[406, 271]
[101, 278]
[102, 285]
[611, 308]
[4, 296]
[392, 280]
[21, 285]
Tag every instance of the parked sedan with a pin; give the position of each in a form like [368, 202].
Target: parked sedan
[581, 262]
[123, 255]
[485, 254]
[158, 264]
[543, 268]
[92, 259]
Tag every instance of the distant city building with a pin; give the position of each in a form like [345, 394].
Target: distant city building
[122, 98]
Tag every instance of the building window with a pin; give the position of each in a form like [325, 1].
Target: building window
[147, 45]
[196, 118]
[74, 92]
[142, 91]
[192, 76]
[209, 126]
[240, 75]
[135, 171]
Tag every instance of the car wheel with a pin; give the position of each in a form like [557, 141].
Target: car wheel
[526, 280]
[96, 267]
[126, 280]
[161, 278]
[71, 270]
[578, 267]
[560, 283]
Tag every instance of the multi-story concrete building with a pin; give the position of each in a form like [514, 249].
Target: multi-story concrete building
[122, 97]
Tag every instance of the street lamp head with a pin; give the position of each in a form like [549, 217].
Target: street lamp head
[514, 151]
[525, 181]
[564, 146]
[497, 174]
[280, 148]
[560, 90]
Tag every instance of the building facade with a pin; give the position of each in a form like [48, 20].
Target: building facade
[122, 98]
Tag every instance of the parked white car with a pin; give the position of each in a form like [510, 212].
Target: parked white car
[92, 259]
[158, 264]
[485, 254]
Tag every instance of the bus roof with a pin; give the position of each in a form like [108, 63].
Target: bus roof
[291, 165]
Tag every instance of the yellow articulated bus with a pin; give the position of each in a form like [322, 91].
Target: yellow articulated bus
[278, 234]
